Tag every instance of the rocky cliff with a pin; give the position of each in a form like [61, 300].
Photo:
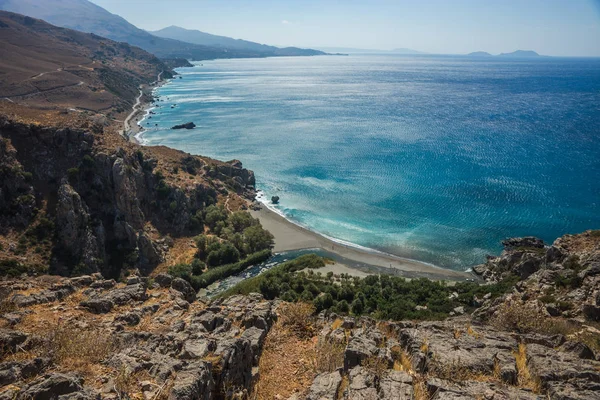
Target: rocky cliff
[90, 338]
[84, 206]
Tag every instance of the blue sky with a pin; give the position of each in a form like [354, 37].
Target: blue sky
[551, 27]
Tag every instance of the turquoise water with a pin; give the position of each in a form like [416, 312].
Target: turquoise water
[427, 157]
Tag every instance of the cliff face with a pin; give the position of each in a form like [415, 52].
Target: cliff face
[91, 208]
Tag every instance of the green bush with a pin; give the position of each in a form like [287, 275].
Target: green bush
[224, 271]
[183, 271]
[12, 268]
[73, 174]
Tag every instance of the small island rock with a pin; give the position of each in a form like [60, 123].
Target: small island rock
[189, 125]
[275, 199]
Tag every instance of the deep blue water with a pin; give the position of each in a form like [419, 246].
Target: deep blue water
[428, 157]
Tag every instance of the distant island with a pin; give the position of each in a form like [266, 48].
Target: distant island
[521, 53]
[515, 54]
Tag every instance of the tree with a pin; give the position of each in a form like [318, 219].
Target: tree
[357, 306]
[241, 220]
[257, 238]
[343, 307]
[213, 215]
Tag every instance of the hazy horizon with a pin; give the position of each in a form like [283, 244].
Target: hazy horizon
[554, 27]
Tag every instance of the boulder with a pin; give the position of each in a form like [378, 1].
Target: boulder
[97, 305]
[51, 386]
[184, 287]
[325, 386]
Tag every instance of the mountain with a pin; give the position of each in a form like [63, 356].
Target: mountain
[520, 53]
[224, 42]
[46, 66]
[406, 51]
[85, 16]
[479, 54]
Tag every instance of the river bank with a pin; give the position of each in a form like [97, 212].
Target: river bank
[289, 237]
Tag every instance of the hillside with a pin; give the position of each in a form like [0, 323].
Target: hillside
[43, 66]
[85, 16]
[203, 38]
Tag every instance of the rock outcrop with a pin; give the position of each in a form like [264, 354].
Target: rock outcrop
[562, 279]
[183, 350]
[95, 208]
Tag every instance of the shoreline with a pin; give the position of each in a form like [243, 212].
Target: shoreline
[131, 125]
[290, 236]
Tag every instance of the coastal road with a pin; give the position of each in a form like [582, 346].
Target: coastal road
[126, 124]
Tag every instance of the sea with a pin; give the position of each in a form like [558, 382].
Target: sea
[433, 158]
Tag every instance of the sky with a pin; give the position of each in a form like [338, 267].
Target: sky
[550, 27]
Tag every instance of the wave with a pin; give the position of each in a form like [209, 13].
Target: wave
[262, 198]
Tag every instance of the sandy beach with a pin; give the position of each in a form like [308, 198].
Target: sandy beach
[289, 236]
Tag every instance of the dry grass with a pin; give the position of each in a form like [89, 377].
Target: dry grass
[458, 372]
[526, 378]
[456, 333]
[522, 317]
[298, 318]
[420, 391]
[472, 333]
[76, 349]
[425, 346]
[375, 365]
[402, 361]
[7, 306]
[329, 356]
[343, 386]
[292, 356]
[337, 323]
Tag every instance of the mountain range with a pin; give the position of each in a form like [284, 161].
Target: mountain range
[224, 42]
[85, 16]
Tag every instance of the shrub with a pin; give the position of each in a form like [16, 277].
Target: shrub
[197, 267]
[213, 215]
[11, 267]
[73, 174]
[183, 271]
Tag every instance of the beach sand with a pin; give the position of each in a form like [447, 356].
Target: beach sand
[289, 236]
